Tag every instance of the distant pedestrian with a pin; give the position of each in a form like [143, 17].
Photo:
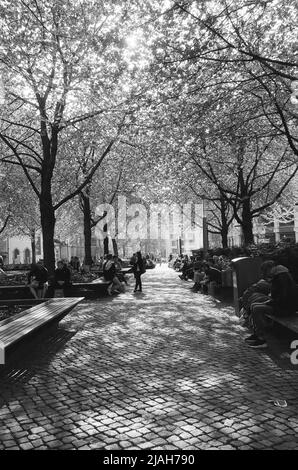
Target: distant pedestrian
[138, 270]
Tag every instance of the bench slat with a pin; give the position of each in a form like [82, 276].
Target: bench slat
[28, 320]
[39, 311]
[33, 318]
[21, 324]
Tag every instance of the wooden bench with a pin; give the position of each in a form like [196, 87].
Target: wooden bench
[21, 302]
[13, 292]
[16, 328]
[77, 289]
[288, 322]
[93, 289]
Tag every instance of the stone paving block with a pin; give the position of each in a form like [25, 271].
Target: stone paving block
[26, 446]
[147, 380]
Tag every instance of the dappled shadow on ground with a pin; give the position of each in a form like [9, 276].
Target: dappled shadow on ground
[164, 364]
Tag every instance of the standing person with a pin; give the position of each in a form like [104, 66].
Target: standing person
[38, 280]
[1, 262]
[138, 270]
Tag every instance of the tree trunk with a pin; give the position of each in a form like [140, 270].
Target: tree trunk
[85, 200]
[247, 223]
[33, 245]
[47, 212]
[224, 223]
[48, 221]
[115, 246]
[224, 237]
[105, 240]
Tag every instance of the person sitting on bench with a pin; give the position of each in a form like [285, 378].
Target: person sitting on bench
[256, 293]
[206, 279]
[109, 274]
[38, 280]
[118, 265]
[62, 277]
[283, 303]
[198, 274]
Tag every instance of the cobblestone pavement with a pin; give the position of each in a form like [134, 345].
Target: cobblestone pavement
[163, 369]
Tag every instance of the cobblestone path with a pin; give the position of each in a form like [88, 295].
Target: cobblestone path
[162, 369]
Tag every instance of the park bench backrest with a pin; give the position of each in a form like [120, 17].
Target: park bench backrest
[246, 271]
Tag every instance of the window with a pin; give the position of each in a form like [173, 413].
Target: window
[27, 256]
[16, 256]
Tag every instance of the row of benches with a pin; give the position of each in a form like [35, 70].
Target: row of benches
[93, 289]
[77, 289]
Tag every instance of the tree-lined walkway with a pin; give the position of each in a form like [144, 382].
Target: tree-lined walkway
[162, 369]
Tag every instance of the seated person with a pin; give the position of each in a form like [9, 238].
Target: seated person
[176, 264]
[187, 270]
[62, 276]
[206, 279]
[109, 274]
[117, 262]
[118, 266]
[38, 280]
[283, 301]
[258, 292]
[75, 263]
[198, 274]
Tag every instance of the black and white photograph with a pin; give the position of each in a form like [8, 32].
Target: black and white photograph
[148, 229]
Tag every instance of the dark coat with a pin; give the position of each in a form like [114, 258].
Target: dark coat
[110, 273]
[39, 273]
[62, 275]
[284, 294]
[139, 267]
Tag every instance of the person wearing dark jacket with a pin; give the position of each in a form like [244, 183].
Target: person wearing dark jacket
[62, 276]
[38, 280]
[283, 301]
[138, 269]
